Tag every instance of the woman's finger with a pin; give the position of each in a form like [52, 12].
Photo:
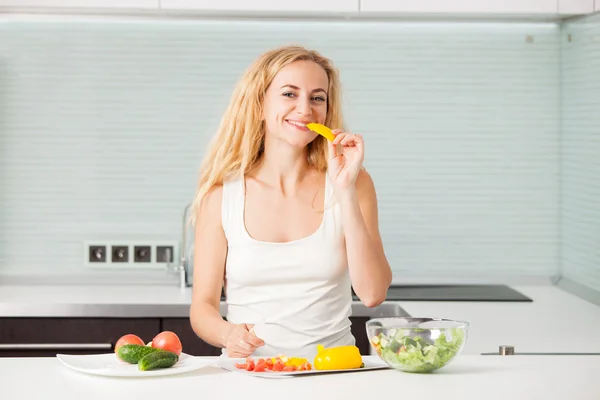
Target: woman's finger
[332, 149]
[245, 346]
[339, 137]
[359, 142]
[237, 354]
[350, 139]
[254, 341]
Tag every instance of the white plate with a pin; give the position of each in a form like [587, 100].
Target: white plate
[110, 365]
[371, 363]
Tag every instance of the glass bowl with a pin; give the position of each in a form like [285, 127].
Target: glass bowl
[414, 344]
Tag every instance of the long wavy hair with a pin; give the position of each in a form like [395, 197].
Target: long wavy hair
[238, 144]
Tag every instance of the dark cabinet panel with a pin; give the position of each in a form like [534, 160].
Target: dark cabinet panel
[46, 337]
[190, 342]
[359, 331]
[193, 345]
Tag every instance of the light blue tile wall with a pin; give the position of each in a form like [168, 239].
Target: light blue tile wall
[580, 50]
[103, 124]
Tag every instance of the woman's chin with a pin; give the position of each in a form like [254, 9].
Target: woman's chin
[300, 140]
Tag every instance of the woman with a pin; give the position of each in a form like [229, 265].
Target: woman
[284, 218]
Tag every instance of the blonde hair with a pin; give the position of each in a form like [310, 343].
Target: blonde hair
[239, 142]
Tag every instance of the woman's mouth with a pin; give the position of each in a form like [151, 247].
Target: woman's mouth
[298, 124]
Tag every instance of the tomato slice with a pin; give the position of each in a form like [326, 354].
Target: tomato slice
[278, 366]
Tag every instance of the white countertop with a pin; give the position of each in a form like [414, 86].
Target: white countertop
[468, 377]
[555, 321]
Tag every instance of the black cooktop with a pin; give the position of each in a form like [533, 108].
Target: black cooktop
[474, 292]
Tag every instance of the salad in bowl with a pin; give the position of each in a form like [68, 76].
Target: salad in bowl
[413, 344]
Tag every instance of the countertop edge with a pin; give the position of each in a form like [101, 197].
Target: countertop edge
[93, 310]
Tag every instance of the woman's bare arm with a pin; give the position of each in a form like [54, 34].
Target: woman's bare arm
[210, 253]
[369, 268]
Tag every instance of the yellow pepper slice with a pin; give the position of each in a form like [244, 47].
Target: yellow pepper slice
[342, 357]
[296, 361]
[321, 130]
[290, 361]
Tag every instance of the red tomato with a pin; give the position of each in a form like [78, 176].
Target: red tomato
[128, 339]
[167, 340]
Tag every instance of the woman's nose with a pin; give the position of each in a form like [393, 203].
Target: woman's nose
[303, 106]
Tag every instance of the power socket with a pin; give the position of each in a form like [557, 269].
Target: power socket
[96, 254]
[129, 254]
[120, 254]
[164, 254]
[142, 254]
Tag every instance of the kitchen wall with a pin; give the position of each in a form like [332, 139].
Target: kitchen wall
[580, 160]
[103, 124]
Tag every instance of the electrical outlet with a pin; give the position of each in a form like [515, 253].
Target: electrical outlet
[142, 254]
[120, 254]
[96, 254]
[164, 254]
[124, 253]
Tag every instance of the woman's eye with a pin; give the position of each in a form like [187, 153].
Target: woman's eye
[316, 98]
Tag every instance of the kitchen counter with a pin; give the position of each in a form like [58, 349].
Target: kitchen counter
[468, 377]
[555, 321]
[123, 301]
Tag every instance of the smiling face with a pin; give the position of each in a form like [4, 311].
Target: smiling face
[297, 96]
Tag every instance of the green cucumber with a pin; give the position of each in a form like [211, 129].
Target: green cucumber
[133, 353]
[161, 359]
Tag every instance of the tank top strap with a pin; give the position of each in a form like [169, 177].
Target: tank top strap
[332, 217]
[232, 208]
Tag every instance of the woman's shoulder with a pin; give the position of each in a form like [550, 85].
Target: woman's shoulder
[364, 181]
[365, 187]
[211, 202]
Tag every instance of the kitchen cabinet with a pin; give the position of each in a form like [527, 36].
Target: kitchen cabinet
[190, 342]
[460, 6]
[575, 6]
[195, 346]
[384, 8]
[568, 7]
[262, 5]
[100, 4]
[45, 337]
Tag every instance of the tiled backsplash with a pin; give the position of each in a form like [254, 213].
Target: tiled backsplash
[103, 124]
[580, 161]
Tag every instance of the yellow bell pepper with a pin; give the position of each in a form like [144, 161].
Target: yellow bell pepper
[342, 357]
[321, 130]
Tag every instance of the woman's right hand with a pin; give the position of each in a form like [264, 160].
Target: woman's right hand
[241, 343]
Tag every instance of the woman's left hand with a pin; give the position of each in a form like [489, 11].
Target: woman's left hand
[346, 159]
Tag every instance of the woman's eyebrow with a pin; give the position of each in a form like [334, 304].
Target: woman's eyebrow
[297, 88]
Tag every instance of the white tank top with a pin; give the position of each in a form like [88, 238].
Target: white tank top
[297, 293]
